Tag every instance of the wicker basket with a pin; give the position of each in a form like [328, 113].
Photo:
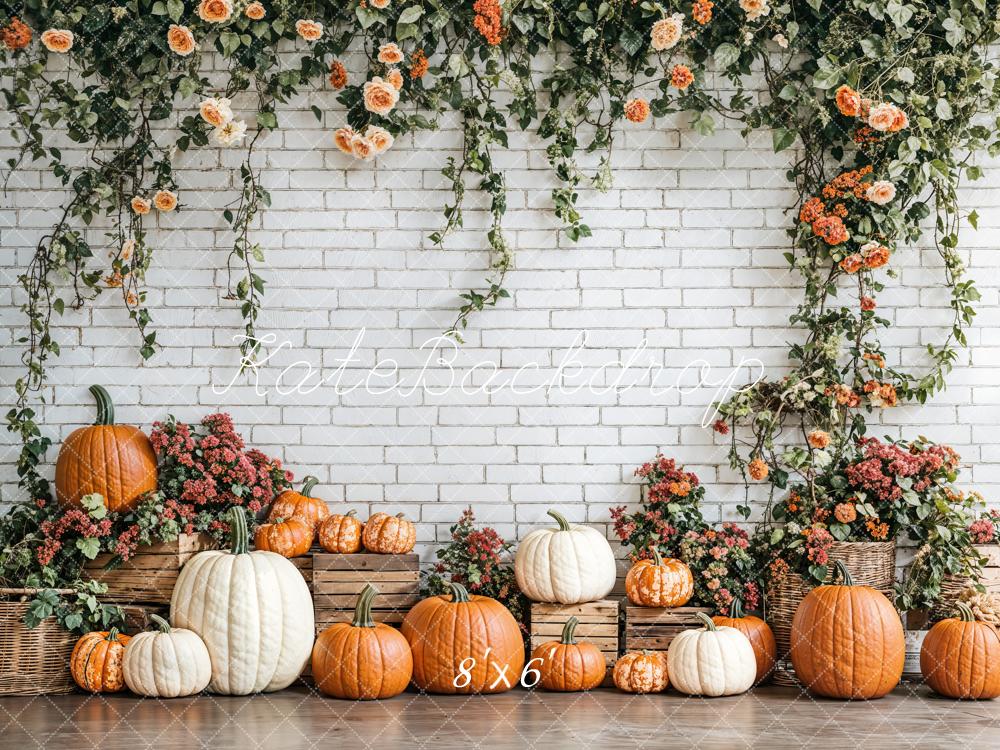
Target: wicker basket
[32, 662]
[952, 586]
[870, 564]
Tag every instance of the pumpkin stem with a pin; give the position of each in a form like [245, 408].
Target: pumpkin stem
[363, 608]
[239, 537]
[560, 519]
[657, 557]
[707, 621]
[458, 592]
[845, 574]
[307, 485]
[105, 406]
[351, 512]
[568, 629]
[112, 635]
[400, 515]
[736, 609]
[965, 613]
[159, 622]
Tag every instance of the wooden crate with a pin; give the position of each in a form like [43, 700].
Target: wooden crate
[599, 624]
[305, 566]
[338, 579]
[137, 616]
[148, 577]
[652, 628]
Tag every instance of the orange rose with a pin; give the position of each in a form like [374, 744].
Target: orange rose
[215, 11]
[395, 78]
[180, 40]
[338, 75]
[380, 138]
[899, 121]
[164, 200]
[309, 30]
[342, 137]
[380, 4]
[681, 77]
[379, 96]
[140, 205]
[818, 439]
[15, 35]
[216, 112]
[875, 255]
[390, 53]
[57, 40]
[852, 263]
[848, 101]
[255, 11]
[636, 110]
[361, 147]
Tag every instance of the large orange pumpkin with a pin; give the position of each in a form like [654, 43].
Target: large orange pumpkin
[659, 582]
[960, 658]
[847, 641]
[362, 659]
[288, 537]
[642, 672]
[115, 461]
[389, 535]
[96, 661]
[759, 633]
[341, 534]
[300, 505]
[463, 644]
[567, 666]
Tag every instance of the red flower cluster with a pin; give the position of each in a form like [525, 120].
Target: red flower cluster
[885, 463]
[74, 522]
[986, 529]
[666, 481]
[818, 543]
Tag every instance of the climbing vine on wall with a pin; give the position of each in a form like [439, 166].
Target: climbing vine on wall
[879, 103]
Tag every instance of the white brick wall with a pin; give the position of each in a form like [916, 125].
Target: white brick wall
[685, 256]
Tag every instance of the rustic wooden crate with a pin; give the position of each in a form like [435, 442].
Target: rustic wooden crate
[137, 616]
[338, 579]
[652, 628]
[148, 577]
[599, 624]
[305, 566]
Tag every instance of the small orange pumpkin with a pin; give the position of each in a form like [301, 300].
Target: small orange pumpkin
[96, 661]
[960, 657]
[288, 537]
[341, 534]
[659, 582]
[389, 535]
[567, 666]
[362, 660]
[642, 672]
[758, 632]
[300, 506]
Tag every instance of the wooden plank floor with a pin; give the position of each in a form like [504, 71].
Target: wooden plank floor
[773, 718]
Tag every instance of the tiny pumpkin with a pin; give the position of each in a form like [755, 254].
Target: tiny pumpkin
[960, 657]
[115, 461]
[642, 672]
[287, 537]
[300, 505]
[759, 633]
[568, 666]
[96, 661]
[389, 535]
[362, 659]
[847, 641]
[167, 662]
[341, 534]
[711, 661]
[659, 582]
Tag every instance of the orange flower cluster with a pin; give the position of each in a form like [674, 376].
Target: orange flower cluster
[881, 394]
[15, 35]
[338, 75]
[848, 184]
[418, 64]
[876, 359]
[793, 501]
[681, 77]
[845, 512]
[844, 394]
[827, 223]
[878, 530]
[831, 229]
[681, 489]
[489, 21]
[865, 135]
[701, 11]
[636, 110]
[757, 469]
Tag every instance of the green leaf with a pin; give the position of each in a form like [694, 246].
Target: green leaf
[90, 547]
[726, 54]
[267, 119]
[411, 14]
[94, 505]
[175, 9]
[782, 138]
[943, 109]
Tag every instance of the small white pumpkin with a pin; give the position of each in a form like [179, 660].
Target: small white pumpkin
[568, 564]
[711, 660]
[167, 662]
[252, 609]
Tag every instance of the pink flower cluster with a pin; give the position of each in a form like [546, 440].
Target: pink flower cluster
[723, 566]
[74, 522]
[884, 463]
[666, 480]
[986, 529]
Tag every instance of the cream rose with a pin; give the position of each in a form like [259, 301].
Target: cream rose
[755, 8]
[140, 205]
[216, 112]
[180, 40]
[342, 137]
[390, 53]
[215, 11]
[380, 138]
[231, 133]
[882, 116]
[57, 40]
[380, 97]
[309, 30]
[666, 32]
[880, 192]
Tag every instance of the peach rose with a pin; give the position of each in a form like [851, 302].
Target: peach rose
[882, 116]
[881, 192]
[128, 247]
[395, 78]
[900, 121]
[818, 439]
[852, 263]
[666, 32]
[215, 11]
[342, 137]
[216, 112]
[875, 255]
[380, 4]
[636, 110]
[165, 200]
[255, 11]
[380, 138]
[755, 8]
[180, 40]
[15, 35]
[848, 101]
[57, 40]
[140, 205]
[362, 148]
[379, 96]
[390, 53]
[309, 30]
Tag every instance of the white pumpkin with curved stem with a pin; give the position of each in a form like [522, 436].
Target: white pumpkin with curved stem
[711, 661]
[568, 564]
[167, 662]
[252, 609]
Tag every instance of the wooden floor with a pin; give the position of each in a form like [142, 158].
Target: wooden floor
[770, 718]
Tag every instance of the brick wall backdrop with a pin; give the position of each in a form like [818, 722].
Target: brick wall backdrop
[685, 258]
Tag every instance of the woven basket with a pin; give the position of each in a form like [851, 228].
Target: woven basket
[32, 662]
[869, 563]
[952, 586]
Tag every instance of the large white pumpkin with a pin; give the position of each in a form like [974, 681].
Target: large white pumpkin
[568, 564]
[252, 609]
[711, 660]
[166, 663]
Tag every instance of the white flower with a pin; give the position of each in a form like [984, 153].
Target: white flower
[755, 8]
[780, 40]
[881, 192]
[231, 133]
[666, 32]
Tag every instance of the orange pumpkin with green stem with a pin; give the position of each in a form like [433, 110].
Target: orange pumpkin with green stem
[341, 534]
[568, 666]
[389, 535]
[659, 582]
[289, 537]
[960, 657]
[758, 632]
[642, 672]
[96, 661]
[300, 505]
